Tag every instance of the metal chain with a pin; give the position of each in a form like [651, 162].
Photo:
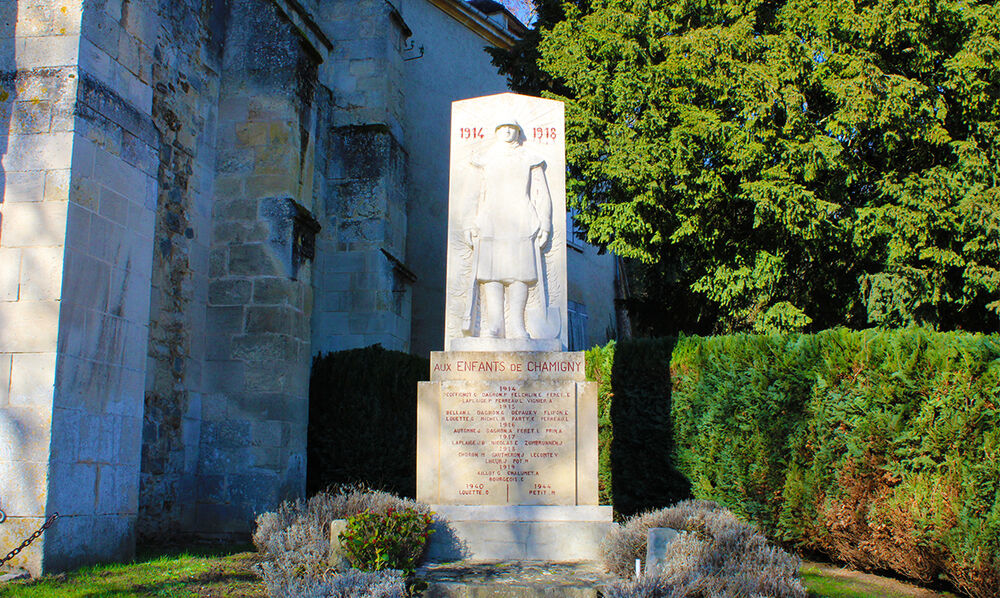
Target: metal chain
[30, 539]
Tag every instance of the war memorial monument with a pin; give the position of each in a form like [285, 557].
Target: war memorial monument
[507, 424]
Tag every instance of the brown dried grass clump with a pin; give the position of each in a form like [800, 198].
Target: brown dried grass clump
[715, 555]
[871, 526]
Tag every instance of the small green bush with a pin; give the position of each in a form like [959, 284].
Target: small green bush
[395, 539]
[294, 542]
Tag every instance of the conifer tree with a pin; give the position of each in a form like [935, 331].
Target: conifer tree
[786, 164]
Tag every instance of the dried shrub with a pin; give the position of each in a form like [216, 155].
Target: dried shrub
[295, 538]
[715, 555]
[644, 587]
[628, 542]
[280, 583]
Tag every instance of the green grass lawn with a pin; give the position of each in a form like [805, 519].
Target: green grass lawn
[227, 573]
[830, 581]
[177, 573]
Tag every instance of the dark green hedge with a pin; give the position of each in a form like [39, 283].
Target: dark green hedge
[363, 419]
[643, 475]
[599, 362]
[634, 400]
[878, 448]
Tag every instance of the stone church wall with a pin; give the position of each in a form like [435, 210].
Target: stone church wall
[432, 83]
[184, 62]
[77, 219]
[253, 430]
[362, 289]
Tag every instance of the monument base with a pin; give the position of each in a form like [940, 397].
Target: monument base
[518, 533]
[477, 343]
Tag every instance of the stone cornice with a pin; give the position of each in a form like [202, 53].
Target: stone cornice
[306, 25]
[476, 22]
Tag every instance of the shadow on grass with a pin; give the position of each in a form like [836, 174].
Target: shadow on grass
[831, 581]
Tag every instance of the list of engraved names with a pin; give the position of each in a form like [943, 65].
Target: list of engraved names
[510, 442]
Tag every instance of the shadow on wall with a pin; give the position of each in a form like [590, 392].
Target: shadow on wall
[8, 73]
[11, 432]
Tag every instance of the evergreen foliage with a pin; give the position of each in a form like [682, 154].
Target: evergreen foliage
[599, 361]
[876, 448]
[788, 165]
[363, 419]
[643, 475]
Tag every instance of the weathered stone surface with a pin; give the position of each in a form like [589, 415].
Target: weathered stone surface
[507, 454]
[658, 540]
[338, 557]
[230, 292]
[513, 579]
[570, 534]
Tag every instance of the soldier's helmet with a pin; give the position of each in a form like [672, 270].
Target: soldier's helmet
[508, 122]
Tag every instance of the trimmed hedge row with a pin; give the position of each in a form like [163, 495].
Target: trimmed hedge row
[598, 364]
[878, 448]
[363, 419]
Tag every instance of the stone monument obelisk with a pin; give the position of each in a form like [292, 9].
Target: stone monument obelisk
[507, 425]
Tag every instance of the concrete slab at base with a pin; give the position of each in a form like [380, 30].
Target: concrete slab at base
[564, 541]
[477, 579]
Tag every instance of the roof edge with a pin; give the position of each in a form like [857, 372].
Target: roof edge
[477, 22]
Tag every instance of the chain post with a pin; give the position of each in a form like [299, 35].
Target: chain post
[27, 541]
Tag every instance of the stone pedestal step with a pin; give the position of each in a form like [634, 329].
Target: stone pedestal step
[513, 579]
[559, 540]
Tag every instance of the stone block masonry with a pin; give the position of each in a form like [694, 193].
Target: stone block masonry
[253, 424]
[363, 288]
[153, 314]
[183, 63]
[77, 218]
[197, 197]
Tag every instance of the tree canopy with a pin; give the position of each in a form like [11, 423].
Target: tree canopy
[788, 164]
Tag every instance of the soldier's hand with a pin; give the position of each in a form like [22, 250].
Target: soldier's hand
[471, 234]
[542, 238]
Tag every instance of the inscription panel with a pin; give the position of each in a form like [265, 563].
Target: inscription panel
[508, 365]
[508, 443]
